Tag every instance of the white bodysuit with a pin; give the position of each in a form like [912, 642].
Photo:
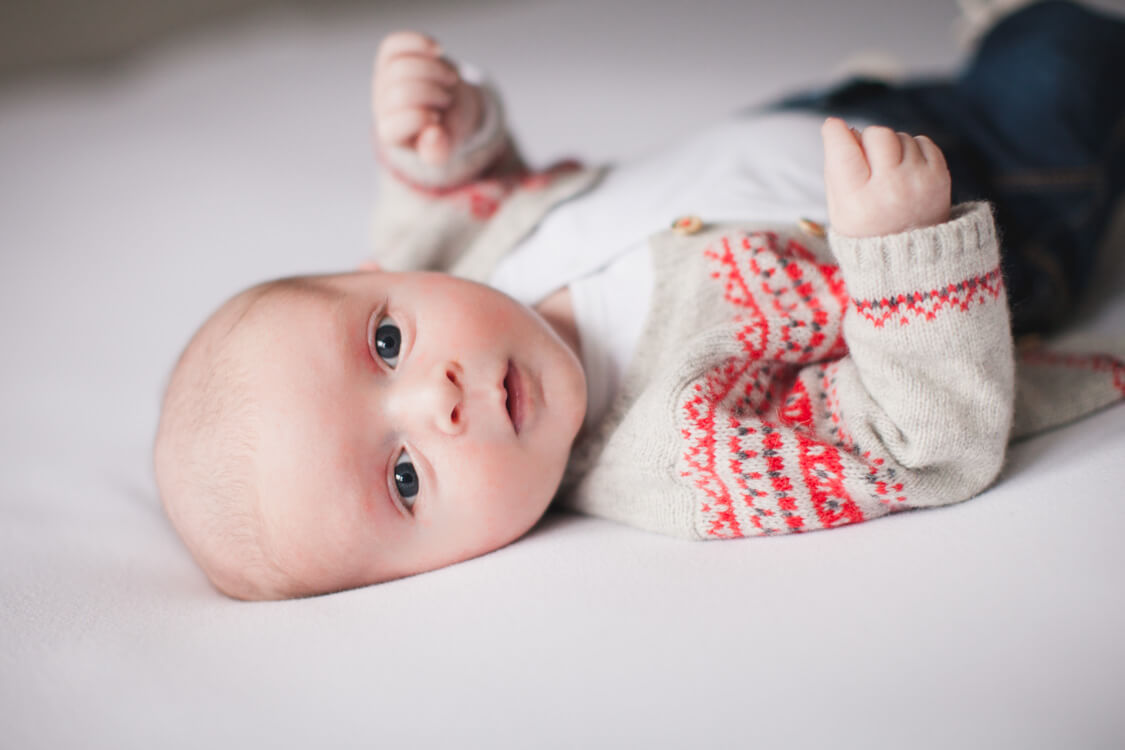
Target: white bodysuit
[762, 166]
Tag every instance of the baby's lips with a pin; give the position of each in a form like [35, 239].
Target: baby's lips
[515, 398]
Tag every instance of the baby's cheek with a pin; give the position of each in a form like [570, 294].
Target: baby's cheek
[500, 481]
[508, 513]
[482, 470]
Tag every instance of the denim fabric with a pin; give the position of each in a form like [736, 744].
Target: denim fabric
[1035, 123]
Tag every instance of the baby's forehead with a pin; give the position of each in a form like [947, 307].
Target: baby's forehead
[323, 317]
[296, 331]
[263, 307]
[298, 290]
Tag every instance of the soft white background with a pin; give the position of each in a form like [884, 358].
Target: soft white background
[137, 196]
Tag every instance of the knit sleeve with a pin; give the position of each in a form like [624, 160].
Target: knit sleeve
[927, 387]
[848, 391]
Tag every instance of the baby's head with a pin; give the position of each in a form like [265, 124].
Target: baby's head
[329, 432]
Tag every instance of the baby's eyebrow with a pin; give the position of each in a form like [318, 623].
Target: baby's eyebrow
[315, 286]
[349, 323]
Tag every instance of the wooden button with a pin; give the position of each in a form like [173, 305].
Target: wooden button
[687, 225]
[810, 227]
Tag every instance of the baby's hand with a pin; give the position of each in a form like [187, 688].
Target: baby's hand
[419, 99]
[882, 182]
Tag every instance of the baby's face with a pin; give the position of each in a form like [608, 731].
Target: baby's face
[413, 420]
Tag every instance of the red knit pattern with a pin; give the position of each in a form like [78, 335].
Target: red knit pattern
[484, 195]
[765, 442]
[927, 304]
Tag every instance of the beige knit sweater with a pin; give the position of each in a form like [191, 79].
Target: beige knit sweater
[785, 381]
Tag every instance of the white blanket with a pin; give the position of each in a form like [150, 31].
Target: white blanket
[135, 197]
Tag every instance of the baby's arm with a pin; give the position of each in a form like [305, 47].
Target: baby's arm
[928, 382]
[446, 156]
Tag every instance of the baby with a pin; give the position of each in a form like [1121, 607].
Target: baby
[719, 380]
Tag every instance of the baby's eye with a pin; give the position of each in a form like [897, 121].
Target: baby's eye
[406, 480]
[388, 340]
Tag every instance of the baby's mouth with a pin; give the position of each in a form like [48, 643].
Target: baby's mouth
[514, 401]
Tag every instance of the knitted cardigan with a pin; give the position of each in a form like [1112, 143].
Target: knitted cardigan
[784, 381]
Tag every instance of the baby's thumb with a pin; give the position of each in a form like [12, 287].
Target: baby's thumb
[433, 145]
[844, 160]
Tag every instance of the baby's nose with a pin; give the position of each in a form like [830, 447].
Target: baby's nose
[438, 399]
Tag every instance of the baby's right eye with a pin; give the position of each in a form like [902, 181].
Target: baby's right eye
[388, 340]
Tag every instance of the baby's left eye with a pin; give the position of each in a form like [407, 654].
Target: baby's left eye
[388, 340]
[406, 480]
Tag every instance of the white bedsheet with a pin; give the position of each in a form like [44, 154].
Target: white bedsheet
[136, 197]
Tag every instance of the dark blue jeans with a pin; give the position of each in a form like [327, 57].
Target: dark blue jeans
[1035, 123]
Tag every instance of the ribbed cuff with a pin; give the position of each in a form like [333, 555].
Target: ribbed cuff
[962, 247]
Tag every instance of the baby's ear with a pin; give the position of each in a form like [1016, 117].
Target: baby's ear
[370, 265]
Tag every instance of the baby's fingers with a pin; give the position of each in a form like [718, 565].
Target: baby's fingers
[933, 155]
[411, 68]
[433, 145]
[911, 150]
[412, 94]
[883, 147]
[402, 127]
[405, 42]
[844, 159]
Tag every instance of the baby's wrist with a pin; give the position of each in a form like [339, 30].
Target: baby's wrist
[873, 219]
[887, 227]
